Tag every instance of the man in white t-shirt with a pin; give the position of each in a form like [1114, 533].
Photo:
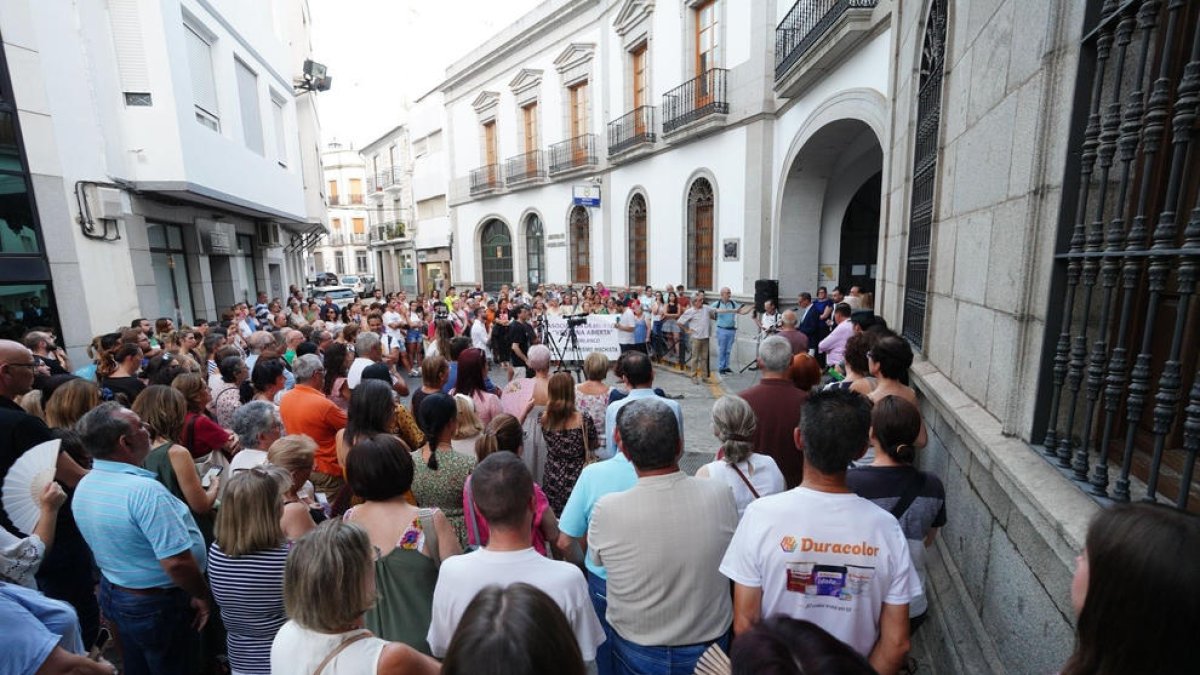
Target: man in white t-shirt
[501, 488]
[821, 553]
[395, 323]
[480, 335]
[625, 328]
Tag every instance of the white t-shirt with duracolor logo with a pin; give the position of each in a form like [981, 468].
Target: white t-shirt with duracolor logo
[831, 558]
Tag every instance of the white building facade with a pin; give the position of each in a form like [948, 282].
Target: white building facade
[343, 250]
[671, 113]
[389, 195]
[172, 168]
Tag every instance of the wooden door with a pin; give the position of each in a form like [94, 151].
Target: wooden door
[581, 249]
[579, 122]
[639, 89]
[489, 151]
[706, 50]
[529, 113]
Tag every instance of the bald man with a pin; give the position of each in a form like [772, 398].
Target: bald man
[788, 330]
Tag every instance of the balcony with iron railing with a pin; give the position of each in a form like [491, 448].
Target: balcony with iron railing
[355, 199]
[631, 131]
[573, 154]
[485, 180]
[388, 231]
[525, 168]
[334, 200]
[814, 36]
[394, 178]
[696, 106]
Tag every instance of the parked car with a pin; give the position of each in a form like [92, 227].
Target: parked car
[368, 284]
[353, 281]
[340, 295]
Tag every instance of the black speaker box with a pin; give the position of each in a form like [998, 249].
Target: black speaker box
[765, 289]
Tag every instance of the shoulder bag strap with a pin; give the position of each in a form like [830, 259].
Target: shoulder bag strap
[339, 649]
[431, 537]
[745, 480]
[909, 495]
[472, 524]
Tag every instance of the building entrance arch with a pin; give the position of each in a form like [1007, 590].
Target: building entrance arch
[496, 254]
[829, 211]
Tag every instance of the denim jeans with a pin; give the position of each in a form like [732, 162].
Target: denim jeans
[725, 337]
[155, 630]
[634, 659]
[598, 591]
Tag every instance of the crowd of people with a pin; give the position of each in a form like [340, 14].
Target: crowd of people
[266, 493]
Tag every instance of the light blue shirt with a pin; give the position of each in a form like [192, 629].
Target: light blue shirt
[726, 320]
[131, 521]
[610, 418]
[595, 481]
[33, 626]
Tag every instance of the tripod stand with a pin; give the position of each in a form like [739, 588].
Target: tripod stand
[558, 353]
[753, 365]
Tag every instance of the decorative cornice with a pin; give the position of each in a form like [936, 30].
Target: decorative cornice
[526, 79]
[486, 100]
[576, 54]
[632, 13]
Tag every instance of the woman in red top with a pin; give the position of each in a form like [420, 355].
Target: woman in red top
[201, 434]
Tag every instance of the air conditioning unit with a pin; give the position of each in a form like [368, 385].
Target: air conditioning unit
[268, 235]
[110, 203]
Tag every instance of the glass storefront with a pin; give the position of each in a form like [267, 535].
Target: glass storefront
[170, 272]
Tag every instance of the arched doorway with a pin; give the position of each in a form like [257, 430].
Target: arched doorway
[495, 243]
[535, 252]
[860, 237]
[637, 240]
[581, 245]
[700, 209]
[829, 211]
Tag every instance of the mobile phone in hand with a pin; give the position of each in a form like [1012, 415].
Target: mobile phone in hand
[212, 473]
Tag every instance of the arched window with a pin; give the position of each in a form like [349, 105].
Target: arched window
[581, 246]
[920, 229]
[700, 204]
[496, 253]
[637, 240]
[535, 252]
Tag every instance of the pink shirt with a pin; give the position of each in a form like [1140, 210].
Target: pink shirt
[834, 344]
[540, 506]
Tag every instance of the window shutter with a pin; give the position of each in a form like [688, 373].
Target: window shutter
[128, 44]
[204, 86]
[247, 84]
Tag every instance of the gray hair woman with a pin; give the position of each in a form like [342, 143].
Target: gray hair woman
[328, 586]
[258, 425]
[749, 474]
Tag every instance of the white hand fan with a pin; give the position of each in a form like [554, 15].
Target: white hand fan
[25, 482]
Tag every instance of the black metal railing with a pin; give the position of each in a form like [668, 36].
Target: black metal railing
[631, 129]
[528, 166]
[1121, 371]
[387, 231]
[356, 199]
[695, 99]
[485, 179]
[804, 24]
[395, 176]
[573, 153]
[334, 200]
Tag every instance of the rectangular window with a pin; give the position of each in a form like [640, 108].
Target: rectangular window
[489, 143]
[707, 44]
[529, 116]
[431, 208]
[420, 147]
[333, 193]
[579, 109]
[277, 110]
[360, 262]
[360, 225]
[356, 191]
[339, 263]
[247, 84]
[204, 85]
[337, 224]
[639, 81]
[433, 142]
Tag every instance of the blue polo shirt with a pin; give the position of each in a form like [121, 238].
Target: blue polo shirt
[725, 320]
[596, 480]
[131, 521]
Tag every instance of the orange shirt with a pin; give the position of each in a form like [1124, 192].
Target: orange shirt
[306, 411]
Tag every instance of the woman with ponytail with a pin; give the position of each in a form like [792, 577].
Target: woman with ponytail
[916, 498]
[749, 474]
[505, 434]
[440, 473]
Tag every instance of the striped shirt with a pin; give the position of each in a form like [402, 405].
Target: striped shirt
[131, 521]
[249, 591]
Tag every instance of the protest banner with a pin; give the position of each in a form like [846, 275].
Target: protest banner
[599, 334]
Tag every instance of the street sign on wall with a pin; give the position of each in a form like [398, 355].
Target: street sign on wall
[586, 195]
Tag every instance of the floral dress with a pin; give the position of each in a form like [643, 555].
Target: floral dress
[566, 456]
[443, 489]
[594, 405]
